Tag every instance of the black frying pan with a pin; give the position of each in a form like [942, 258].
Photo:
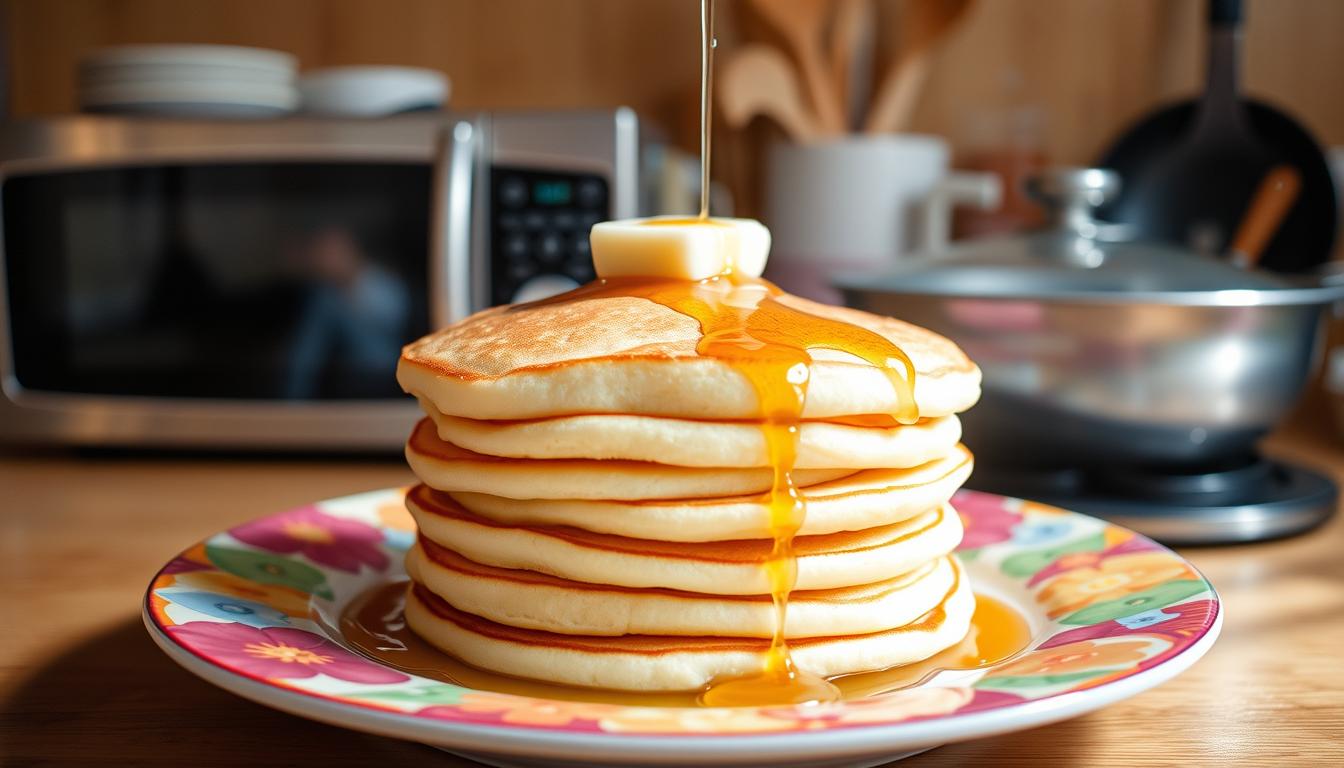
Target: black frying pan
[1189, 171]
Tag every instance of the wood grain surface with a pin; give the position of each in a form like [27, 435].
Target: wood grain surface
[1090, 66]
[82, 684]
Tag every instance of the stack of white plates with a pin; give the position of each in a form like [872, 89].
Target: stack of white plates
[189, 80]
[372, 91]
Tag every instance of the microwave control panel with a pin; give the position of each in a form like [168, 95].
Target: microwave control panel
[539, 231]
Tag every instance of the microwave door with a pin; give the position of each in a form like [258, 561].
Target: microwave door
[248, 302]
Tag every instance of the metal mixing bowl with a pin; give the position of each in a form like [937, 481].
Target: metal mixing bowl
[1097, 351]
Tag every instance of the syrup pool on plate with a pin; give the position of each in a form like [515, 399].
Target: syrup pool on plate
[373, 625]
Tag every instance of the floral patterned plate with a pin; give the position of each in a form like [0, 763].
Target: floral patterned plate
[1111, 612]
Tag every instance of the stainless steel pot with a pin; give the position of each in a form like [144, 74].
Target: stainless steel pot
[1100, 351]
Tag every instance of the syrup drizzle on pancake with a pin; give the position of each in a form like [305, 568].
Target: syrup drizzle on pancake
[767, 341]
[743, 323]
[773, 355]
[373, 624]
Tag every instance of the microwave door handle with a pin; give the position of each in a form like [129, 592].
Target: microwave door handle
[450, 253]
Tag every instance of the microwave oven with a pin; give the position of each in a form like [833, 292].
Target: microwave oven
[249, 284]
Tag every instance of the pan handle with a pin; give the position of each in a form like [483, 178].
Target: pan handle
[1220, 111]
[1224, 13]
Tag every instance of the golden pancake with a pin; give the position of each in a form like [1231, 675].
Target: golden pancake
[695, 443]
[632, 356]
[867, 499]
[662, 663]
[627, 485]
[448, 467]
[718, 567]
[536, 601]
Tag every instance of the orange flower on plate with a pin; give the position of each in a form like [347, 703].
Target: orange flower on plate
[1082, 656]
[1109, 579]
[1035, 508]
[521, 710]
[290, 602]
[396, 516]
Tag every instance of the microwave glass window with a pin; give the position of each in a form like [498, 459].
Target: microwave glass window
[295, 281]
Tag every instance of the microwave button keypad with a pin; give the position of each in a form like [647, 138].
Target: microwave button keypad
[513, 192]
[534, 221]
[564, 220]
[516, 248]
[550, 249]
[592, 193]
[539, 237]
[581, 250]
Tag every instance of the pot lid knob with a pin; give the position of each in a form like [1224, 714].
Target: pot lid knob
[1070, 196]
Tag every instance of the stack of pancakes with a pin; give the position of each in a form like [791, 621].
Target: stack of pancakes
[591, 510]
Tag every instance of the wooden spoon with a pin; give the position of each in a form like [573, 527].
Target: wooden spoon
[851, 50]
[758, 80]
[801, 23]
[1270, 203]
[929, 22]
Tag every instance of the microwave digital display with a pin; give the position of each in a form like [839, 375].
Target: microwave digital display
[553, 192]
[276, 281]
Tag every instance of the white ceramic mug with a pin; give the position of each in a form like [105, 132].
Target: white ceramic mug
[858, 204]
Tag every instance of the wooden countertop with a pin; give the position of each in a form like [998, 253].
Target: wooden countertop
[81, 682]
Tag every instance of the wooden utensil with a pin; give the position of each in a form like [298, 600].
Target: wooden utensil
[758, 80]
[928, 21]
[801, 23]
[1275, 195]
[851, 51]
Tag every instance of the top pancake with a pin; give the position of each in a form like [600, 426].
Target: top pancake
[633, 356]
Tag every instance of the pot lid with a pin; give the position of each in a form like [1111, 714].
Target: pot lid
[1079, 257]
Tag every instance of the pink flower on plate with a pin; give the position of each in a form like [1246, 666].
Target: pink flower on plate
[279, 652]
[986, 517]
[327, 540]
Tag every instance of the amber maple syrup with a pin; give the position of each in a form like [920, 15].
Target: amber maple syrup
[373, 624]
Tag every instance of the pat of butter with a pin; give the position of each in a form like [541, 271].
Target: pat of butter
[679, 248]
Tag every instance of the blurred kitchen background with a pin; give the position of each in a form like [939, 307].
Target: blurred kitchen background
[1008, 87]
[225, 248]
[1071, 73]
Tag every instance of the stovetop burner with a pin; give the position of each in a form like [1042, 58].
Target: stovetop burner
[1244, 499]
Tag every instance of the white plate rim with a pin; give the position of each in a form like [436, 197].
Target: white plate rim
[721, 748]
[747, 748]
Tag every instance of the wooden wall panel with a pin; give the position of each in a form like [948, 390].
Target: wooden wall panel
[1295, 58]
[499, 53]
[1094, 66]
[1081, 63]
[1090, 66]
